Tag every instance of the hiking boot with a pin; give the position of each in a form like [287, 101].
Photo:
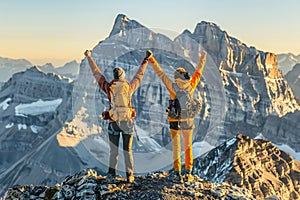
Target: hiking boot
[188, 177]
[130, 179]
[176, 177]
[110, 177]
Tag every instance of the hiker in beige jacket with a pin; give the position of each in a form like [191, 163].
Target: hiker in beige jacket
[121, 114]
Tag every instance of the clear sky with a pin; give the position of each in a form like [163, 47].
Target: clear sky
[59, 31]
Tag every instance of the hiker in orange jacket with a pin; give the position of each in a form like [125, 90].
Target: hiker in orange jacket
[184, 124]
[116, 127]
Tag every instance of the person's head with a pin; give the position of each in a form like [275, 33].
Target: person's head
[119, 73]
[181, 73]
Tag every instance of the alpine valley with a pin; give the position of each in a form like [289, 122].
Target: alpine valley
[246, 139]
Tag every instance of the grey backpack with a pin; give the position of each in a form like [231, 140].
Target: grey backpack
[184, 105]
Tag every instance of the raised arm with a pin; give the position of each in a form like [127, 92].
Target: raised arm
[161, 74]
[103, 84]
[138, 77]
[198, 72]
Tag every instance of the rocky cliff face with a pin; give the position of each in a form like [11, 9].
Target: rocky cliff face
[256, 165]
[34, 106]
[255, 88]
[242, 87]
[293, 78]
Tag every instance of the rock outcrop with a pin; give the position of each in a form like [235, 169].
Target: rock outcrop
[256, 165]
[293, 78]
[88, 185]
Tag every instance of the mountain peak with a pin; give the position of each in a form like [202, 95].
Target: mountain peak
[123, 24]
[203, 25]
[254, 165]
[34, 69]
[72, 62]
[122, 17]
[186, 32]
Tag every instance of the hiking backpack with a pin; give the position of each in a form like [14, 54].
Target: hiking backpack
[120, 102]
[184, 105]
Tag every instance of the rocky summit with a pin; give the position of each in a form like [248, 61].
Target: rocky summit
[240, 168]
[88, 185]
[256, 165]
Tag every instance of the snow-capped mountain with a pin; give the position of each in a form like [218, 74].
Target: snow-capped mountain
[293, 78]
[256, 165]
[70, 69]
[33, 108]
[10, 66]
[242, 91]
[257, 98]
[287, 61]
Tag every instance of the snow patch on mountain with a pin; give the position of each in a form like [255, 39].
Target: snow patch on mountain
[22, 126]
[212, 162]
[37, 108]
[9, 125]
[5, 104]
[35, 129]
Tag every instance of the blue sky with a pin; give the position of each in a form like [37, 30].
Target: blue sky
[59, 31]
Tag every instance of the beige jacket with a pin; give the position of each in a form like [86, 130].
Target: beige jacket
[105, 86]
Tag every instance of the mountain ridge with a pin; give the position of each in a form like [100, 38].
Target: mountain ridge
[237, 185]
[286, 61]
[9, 66]
[254, 98]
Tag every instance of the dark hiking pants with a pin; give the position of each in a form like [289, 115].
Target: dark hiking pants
[114, 137]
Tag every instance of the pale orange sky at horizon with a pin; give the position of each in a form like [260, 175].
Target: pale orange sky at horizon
[58, 31]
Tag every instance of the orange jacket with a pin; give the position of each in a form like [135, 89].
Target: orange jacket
[191, 84]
